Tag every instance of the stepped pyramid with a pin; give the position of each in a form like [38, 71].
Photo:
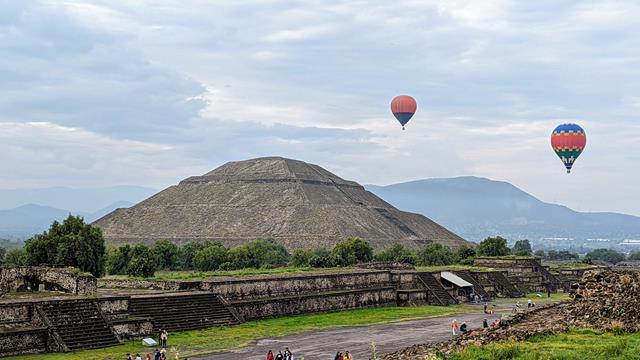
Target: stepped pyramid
[298, 204]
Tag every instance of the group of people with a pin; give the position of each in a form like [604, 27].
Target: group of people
[463, 328]
[157, 355]
[287, 355]
[341, 356]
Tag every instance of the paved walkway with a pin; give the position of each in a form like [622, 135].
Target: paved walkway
[323, 345]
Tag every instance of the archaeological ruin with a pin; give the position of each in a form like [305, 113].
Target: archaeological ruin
[298, 204]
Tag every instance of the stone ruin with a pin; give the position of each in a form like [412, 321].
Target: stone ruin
[603, 299]
[44, 278]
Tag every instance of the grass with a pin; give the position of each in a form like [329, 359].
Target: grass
[577, 344]
[573, 265]
[452, 268]
[223, 338]
[200, 275]
[555, 297]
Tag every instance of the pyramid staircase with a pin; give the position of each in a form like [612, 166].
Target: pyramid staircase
[509, 289]
[77, 324]
[477, 287]
[436, 290]
[183, 312]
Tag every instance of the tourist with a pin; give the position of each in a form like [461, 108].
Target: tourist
[270, 355]
[287, 354]
[485, 308]
[138, 357]
[485, 323]
[148, 356]
[463, 327]
[163, 354]
[129, 357]
[338, 356]
[279, 356]
[454, 327]
[348, 356]
[529, 303]
[156, 355]
[548, 292]
[163, 338]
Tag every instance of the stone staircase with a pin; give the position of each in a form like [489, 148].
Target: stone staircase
[436, 291]
[509, 289]
[183, 312]
[550, 280]
[78, 324]
[477, 287]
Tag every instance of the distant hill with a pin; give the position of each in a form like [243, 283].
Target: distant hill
[86, 200]
[476, 208]
[25, 212]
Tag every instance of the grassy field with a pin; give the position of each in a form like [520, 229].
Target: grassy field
[577, 344]
[555, 297]
[222, 338]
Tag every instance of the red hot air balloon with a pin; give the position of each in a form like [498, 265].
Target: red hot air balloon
[568, 141]
[403, 107]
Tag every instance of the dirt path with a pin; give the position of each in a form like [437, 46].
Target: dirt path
[323, 345]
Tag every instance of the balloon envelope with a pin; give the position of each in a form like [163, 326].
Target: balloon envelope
[568, 141]
[403, 107]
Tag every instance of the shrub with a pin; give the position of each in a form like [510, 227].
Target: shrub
[352, 251]
[522, 248]
[72, 243]
[211, 258]
[301, 258]
[267, 254]
[396, 253]
[141, 261]
[465, 254]
[323, 258]
[2, 252]
[493, 246]
[117, 260]
[187, 253]
[433, 255]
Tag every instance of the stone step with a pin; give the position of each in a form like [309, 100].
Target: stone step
[436, 289]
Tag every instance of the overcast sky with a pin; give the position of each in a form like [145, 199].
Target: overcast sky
[100, 93]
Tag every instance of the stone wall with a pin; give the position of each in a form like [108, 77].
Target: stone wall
[12, 314]
[114, 307]
[285, 285]
[35, 278]
[166, 285]
[526, 273]
[23, 341]
[132, 328]
[309, 303]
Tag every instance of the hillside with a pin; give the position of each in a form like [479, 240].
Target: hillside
[476, 208]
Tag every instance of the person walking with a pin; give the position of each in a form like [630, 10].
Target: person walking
[463, 327]
[279, 356]
[348, 356]
[454, 327]
[129, 357]
[156, 355]
[270, 355]
[485, 323]
[148, 357]
[138, 357]
[338, 355]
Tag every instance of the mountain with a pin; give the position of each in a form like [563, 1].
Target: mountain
[24, 221]
[476, 208]
[299, 204]
[86, 200]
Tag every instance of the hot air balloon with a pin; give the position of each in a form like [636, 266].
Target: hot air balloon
[403, 107]
[568, 141]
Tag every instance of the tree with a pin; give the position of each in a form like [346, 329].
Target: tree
[267, 254]
[187, 253]
[166, 254]
[117, 260]
[396, 253]
[301, 258]
[16, 257]
[608, 255]
[561, 255]
[72, 243]
[522, 248]
[141, 261]
[211, 258]
[465, 254]
[2, 253]
[493, 246]
[433, 255]
[323, 258]
[539, 253]
[352, 251]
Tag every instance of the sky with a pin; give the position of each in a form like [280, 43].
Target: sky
[149, 92]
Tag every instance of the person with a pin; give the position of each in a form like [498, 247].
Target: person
[270, 355]
[517, 307]
[163, 337]
[348, 356]
[529, 303]
[129, 357]
[454, 327]
[485, 308]
[138, 357]
[148, 356]
[485, 323]
[156, 355]
[287, 353]
[338, 356]
[279, 356]
[463, 327]
[163, 354]
[548, 292]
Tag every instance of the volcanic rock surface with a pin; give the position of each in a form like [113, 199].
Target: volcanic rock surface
[299, 204]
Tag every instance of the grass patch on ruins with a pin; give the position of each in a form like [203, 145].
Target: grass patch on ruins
[555, 297]
[577, 344]
[573, 265]
[201, 342]
[452, 268]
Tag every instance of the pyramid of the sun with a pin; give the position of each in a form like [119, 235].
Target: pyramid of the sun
[298, 204]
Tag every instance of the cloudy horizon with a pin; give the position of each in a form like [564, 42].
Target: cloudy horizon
[102, 93]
